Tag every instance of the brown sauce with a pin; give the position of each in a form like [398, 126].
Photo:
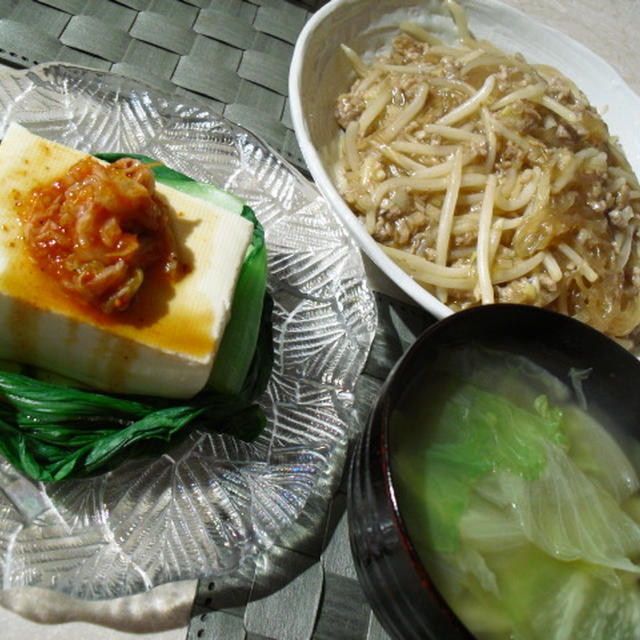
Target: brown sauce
[155, 317]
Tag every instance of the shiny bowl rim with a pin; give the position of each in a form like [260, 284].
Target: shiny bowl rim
[391, 391]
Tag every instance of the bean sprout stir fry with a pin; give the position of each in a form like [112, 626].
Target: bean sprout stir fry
[489, 179]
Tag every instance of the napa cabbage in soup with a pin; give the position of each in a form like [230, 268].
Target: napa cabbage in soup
[524, 509]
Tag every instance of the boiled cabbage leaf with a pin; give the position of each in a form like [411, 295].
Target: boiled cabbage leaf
[517, 507]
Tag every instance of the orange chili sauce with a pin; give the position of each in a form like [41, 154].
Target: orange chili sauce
[157, 317]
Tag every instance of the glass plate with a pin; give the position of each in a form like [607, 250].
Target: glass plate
[213, 505]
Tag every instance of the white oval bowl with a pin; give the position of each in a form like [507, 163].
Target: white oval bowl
[319, 73]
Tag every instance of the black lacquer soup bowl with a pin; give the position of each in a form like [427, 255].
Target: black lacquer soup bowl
[385, 541]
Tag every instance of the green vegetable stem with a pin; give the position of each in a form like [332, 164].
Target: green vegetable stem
[54, 431]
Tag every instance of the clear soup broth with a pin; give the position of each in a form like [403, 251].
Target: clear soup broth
[523, 507]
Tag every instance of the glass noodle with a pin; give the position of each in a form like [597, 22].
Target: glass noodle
[489, 179]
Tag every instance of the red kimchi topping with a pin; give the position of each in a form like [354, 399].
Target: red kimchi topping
[98, 229]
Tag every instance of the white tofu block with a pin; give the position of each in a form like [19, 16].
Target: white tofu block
[165, 343]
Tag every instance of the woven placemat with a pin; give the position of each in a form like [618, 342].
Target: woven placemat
[232, 54]
[311, 592]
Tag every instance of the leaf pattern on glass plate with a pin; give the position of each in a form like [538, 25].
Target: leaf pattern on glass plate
[212, 504]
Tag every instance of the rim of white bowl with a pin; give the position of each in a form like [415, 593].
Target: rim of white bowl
[326, 186]
[312, 159]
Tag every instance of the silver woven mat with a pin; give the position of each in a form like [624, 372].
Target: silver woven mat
[232, 54]
[312, 592]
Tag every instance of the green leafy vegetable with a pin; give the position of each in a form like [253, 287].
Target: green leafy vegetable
[524, 511]
[52, 431]
[476, 432]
